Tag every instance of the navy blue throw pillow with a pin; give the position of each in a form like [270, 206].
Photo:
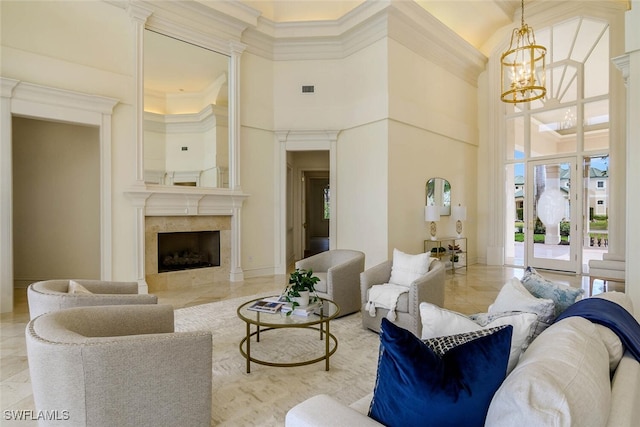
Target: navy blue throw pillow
[416, 387]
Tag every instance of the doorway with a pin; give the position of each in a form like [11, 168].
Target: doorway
[56, 200]
[316, 201]
[551, 237]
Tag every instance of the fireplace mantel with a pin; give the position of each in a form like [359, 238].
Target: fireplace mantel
[157, 200]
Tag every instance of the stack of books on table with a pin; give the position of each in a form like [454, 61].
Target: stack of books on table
[302, 311]
[266, 306]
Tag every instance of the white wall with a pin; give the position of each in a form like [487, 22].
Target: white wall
[84, 47]
[433, 132]
[363, 194]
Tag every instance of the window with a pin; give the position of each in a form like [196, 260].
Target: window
[600, 184]
[326, 204]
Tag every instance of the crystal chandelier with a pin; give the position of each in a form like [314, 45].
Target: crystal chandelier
[522, 70]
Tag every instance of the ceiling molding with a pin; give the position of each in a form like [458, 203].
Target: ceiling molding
[405, 22]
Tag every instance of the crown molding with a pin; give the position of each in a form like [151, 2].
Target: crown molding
[404, 21]
[418, 30]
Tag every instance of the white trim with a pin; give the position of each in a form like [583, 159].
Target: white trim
[305, 140]
[41, 102]
[407, 22]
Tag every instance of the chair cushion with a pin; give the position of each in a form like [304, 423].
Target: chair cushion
[414, 384]
[321, 286]
[407, 268]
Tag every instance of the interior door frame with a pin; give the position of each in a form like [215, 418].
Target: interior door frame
[307, 176]
[573, 264]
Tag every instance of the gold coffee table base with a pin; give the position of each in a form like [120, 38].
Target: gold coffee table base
[269, 321]
[330, 349]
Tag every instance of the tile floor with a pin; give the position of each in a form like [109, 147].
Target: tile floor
[466, 291]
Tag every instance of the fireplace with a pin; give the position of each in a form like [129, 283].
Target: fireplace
[188, 250]
[207, 227]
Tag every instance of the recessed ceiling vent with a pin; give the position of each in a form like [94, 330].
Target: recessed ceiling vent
[308, 89]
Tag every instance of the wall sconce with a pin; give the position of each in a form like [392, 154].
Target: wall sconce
[432, 213]
[459, 213]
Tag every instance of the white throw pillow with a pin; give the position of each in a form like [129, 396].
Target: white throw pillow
[407, 268]
[562, 380]
[77, 288]
[437, 322]
[515, 297]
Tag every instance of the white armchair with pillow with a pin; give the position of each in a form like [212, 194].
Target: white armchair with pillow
[52, 295]
[420, 275]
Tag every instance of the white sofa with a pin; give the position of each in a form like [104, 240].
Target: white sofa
[560, 385]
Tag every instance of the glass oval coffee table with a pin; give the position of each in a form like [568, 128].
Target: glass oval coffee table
[319, 320]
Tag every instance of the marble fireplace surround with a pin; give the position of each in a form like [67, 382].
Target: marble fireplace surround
[169, 209]
[191, 277]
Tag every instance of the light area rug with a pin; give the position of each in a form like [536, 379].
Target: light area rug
[263, 397]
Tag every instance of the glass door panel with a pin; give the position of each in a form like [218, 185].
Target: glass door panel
[515, 225]
[551, 241]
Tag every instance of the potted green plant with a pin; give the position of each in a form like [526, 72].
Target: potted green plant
[302, 283]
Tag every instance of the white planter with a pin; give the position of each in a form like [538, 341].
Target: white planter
[303, 299]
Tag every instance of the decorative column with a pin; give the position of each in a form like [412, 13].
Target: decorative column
[236, 49]
[139, 16]
[6, 188]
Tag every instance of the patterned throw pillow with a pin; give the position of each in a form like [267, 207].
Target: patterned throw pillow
[441, 345]
[437, 321]
[562, 295]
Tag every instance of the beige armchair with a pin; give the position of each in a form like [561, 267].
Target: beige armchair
[51, 295]
[339, 272]
[428, 288]
[119, 366]
[610, 269]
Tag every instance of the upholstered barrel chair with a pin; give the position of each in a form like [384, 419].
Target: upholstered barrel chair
[51, 295]
[339, 272]
[426, 288]
[119, 366]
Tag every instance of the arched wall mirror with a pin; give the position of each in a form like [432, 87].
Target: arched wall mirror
[186, 113]
[439, 194]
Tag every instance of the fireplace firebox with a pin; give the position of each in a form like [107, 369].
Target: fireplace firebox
[187, 250]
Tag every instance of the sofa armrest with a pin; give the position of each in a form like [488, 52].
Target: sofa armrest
[325, 411]
[377, 275]
[625, 393]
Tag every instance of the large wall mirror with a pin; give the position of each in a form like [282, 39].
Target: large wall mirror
[186, 113]
[439, 194]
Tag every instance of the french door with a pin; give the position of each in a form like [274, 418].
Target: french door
[551, 237]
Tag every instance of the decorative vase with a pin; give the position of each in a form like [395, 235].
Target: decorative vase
[303, 299]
